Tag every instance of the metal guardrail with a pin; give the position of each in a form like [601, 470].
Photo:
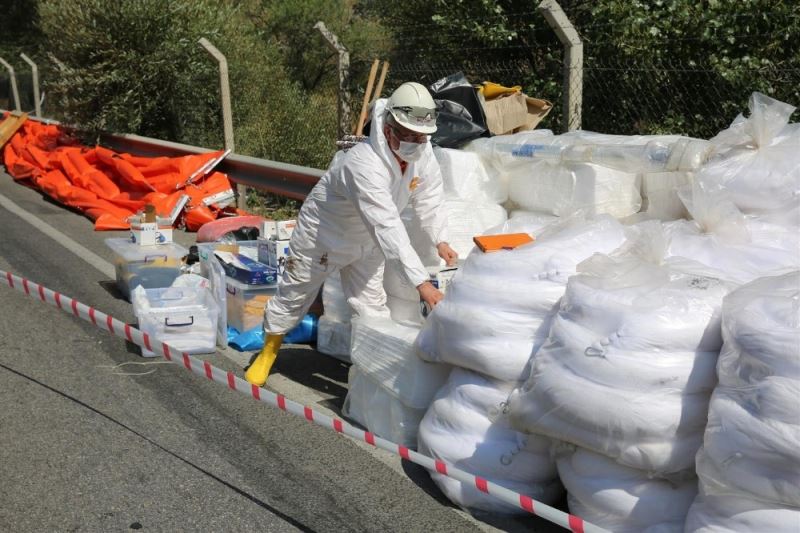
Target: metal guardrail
[283, 179]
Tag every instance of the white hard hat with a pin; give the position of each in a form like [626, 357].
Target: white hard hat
[412, 107]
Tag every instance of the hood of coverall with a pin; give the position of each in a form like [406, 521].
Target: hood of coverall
[377, 139]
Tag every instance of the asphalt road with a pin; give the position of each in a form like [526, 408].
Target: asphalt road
[94, 437]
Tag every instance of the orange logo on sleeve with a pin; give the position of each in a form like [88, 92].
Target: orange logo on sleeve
[414, 184]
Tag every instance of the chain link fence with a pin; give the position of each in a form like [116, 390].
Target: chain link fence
[624, 90]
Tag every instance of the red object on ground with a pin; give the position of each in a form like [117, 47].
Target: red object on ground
[213, 230]
[109, 187]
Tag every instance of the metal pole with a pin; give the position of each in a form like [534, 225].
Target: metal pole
[227, 115]
[573, 62]
[35, 70]
[14, 90]
[344, 76]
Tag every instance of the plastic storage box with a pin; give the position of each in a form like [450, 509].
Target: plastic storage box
[245, 303]
[206, 252]
[151, 267]
[183, 317]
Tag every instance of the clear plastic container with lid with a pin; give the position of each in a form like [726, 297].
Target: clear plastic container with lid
[151, 267]
[245, 303]
[183, 317]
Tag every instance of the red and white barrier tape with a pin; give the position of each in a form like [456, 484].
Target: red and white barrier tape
[204, 368]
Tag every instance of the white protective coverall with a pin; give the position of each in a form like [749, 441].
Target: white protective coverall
[351, 222]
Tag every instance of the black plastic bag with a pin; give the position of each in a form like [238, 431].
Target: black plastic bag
[461, 117]
[455, 126]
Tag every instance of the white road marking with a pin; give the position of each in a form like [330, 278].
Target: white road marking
[106, 268]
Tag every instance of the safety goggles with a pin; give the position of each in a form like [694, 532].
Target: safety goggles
[418, 116]
[408, 136]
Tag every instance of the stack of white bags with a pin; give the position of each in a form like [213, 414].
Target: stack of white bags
[591, 355]
[389, 386]
[466, 428]
[498, 310]
[749, 466]
[626, 374]
[625, 377]
[496, 314]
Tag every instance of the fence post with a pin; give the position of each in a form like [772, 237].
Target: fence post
[344, 75]
[13, 77]
[227, 115]
[573, 62]
[35, 70]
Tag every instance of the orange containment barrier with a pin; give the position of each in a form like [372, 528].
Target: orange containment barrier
[109, 187]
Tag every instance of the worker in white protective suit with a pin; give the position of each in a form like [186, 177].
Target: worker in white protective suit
[350, 221]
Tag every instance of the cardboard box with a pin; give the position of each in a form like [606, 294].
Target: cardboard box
[274, 253]
[442, 276]
[515, 112]
[537, 110]
[150, 233]
[278, 229]
[148, 229]
[241, 268]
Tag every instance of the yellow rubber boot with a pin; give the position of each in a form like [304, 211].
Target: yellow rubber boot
[259, 370]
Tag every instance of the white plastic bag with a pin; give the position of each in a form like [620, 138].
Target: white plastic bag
[565, 188]
[498, 308]
[756, 160]
[384, 351]
[629, 365]
[372, 406]
[752, 442]
[465, 178]
[740, 248]
[333, 338]
[730, 513]
[660, 198]
[619, 498]
[465, 427]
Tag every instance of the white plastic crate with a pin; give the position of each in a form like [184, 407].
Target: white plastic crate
[151, 267]
[183, 317]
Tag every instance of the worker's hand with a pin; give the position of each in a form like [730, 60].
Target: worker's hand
[429, 294]
[449, 255]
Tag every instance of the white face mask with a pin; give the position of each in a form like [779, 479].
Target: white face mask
[410, 152]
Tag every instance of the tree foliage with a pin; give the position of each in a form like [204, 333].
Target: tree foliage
[649, 65]
[290, 24]
[137, 67]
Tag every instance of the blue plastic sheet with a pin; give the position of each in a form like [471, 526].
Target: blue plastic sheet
[253, 339]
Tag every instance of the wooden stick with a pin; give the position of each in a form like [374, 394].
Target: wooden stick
[370, 82]
[379, 89]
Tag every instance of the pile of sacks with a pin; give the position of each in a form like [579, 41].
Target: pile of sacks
[496, 314]
[602, 373]
[749, 466]
[593, 173]
[625, 378]
[389, 386]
